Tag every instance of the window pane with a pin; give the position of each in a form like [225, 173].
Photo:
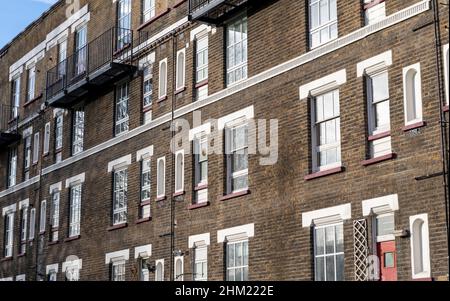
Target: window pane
[340, 267]
[319, 240]
[385, 225]
[320, 275]
[330, 269]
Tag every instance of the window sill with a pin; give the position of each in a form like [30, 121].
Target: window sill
[145, 203]
[161, 198]
[143, 220]
[378, 159]
[422, 279]
[117, 227]
[10, 258]
[197, 206]
[12, 120]
[69, 239]
[180, 193]
[180, 90]
[445, 108]
[324, 173]
[45, 155]
[32, 100]
[414, 126]
[379, 136]
[234, 195]
[153, 19]
[201, 84]
[162, 98]
[42, 233]
[52, 243]
[374, 3]
[119, 51]
[200, 187]
[21, 255]
[147, 109]
[178, 3]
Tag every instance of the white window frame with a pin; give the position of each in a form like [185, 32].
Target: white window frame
[78, 131]
[201, 52]
[12, 167]
[159, 277]
[160, 181]
[424, 244]
[382, 238]
[375, 13]
[242, 267]
[149, 13]
[31, 83]
[116, 267]
[315, 129]
[15, 97]
[124, 16]
[23, 228]
[8, 233]
[230, 152]
[202, 261]
[445, 50]
[417, 93]
[47, 130]
[120, 212]
[147, 78]
[42, 216]
[181, 74]
[32, 231]
[27, 152]
[76, 193]
[122, 123]
[242, 67]
[54, 213]
[146, 169]
[51, 271]
[326, 25]
[179, 187]
[201, 185]
[333, 254]
[59, 131]
[36, 147]
[178, 277]
[162, 86]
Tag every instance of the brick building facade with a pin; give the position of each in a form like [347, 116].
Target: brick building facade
[351, 95]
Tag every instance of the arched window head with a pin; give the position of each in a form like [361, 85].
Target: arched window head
[412, 94]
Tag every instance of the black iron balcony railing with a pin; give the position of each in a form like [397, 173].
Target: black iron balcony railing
[107, 58]
[214, 11]
[9, 125]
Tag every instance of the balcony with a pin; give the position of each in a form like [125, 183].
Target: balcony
[9, 123]
[91, 69]
[214, 11]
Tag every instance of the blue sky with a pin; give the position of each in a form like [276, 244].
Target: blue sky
[15, 15]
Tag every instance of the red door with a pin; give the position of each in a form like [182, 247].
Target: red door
[388, 261]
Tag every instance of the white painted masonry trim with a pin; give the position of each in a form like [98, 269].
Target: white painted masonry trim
[77, 263]
[381, 205]
[52, 267]
[57, 186]
[247, 113]
[203, 129]
[143, 251]
[199, 239]
[24, 204]
[78, 179]
[9, 209]
[374, 64]
[116, 256]
[144, 153]
[236, 233]
[119, 163]
[22, 277]
[199, 30]
[424, 244]
[318, 52]
[324, 84]
[327, 215]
